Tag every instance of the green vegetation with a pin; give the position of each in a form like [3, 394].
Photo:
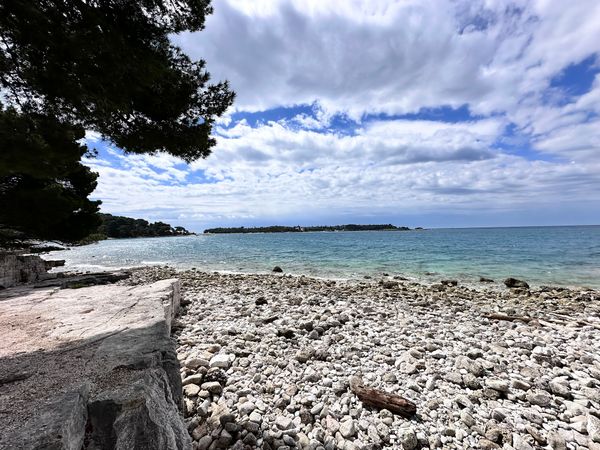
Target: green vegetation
[298, 229]
[67, 66]
[44, 188]
[126, 227]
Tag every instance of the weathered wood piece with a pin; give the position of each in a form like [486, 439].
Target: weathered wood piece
[500, 316]
[382, 400]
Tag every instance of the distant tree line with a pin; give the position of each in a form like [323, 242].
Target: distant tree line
[299, 229]
[126, 227]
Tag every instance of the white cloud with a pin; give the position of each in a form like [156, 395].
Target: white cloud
[275, 171]
[393, 57]
[356, 58]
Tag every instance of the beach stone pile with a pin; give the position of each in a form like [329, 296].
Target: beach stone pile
[266, 359]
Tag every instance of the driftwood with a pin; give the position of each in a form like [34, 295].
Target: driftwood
[382, 400]
[499, 316]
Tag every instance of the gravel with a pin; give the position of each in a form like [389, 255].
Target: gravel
[273, 355]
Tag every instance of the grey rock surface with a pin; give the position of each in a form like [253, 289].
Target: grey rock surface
[97, 368]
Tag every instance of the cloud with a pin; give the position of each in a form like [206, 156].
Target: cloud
[359, 57]
[276, 171]
[390, 109]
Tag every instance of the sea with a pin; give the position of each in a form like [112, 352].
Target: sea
[561, 256]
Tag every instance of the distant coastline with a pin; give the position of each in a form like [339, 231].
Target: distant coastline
[300, 229]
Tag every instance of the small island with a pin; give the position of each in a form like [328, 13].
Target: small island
[299, 229]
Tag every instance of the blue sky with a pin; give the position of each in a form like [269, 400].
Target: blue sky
[419, 113]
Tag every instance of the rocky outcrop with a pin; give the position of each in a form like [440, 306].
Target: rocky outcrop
[17, 268]
[96, 368]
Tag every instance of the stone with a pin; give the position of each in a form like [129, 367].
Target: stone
[304, 354]
[515, 283]
[195, 363]
[277, 269]
[347, 428]
[408, 438]
[214, 387]
[283, 422]
[115, 338]
[255, 417]
[204, 443]
[539, 398]
[556, 441]
[593, 428]
[246, 408]
[191, 390]
[497, 384]
[560, 388]
[520, 384]
[221, 361]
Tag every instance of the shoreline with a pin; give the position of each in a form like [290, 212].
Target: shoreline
[425, 280]
[266, 361]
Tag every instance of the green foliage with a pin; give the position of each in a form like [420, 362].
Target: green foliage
[109, 66]
[43, 185]
[126, 227]
[104, 65]
[298, 229]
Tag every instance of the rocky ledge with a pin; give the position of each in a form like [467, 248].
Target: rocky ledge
[267, 360]
[90, 368]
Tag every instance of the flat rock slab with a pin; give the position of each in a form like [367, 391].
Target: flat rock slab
[90, 368]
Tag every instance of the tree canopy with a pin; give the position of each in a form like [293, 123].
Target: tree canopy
[44, 188]
[126, 227]
[101, 65]
[109, 66]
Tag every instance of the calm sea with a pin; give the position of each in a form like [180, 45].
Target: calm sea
[540, 255]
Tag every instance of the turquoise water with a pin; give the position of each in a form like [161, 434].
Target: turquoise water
[541, 255]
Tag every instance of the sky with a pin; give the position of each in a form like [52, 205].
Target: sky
[433, 113]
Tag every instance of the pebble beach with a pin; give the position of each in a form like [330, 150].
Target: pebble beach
[266, 362]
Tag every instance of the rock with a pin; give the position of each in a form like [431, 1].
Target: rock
[514, 283]
[519, 443]
[246, 408]
[556, 441]
[449, 282]
[195, 363]
[192, 379]
[485, 280]
[560, 388]
[191, 390]
[408, 438]
[486, 444]
[221, 361]
[204, 443]
[214, 387]
[497, 384]
[347, 429]
[388, 284]
[260, 301]
[287, 333]
[283, 422]
[472, 366]
[593, 428]
[115, 338]
[255, 417]
[520, 384]
[277, 269]
[539, 398]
